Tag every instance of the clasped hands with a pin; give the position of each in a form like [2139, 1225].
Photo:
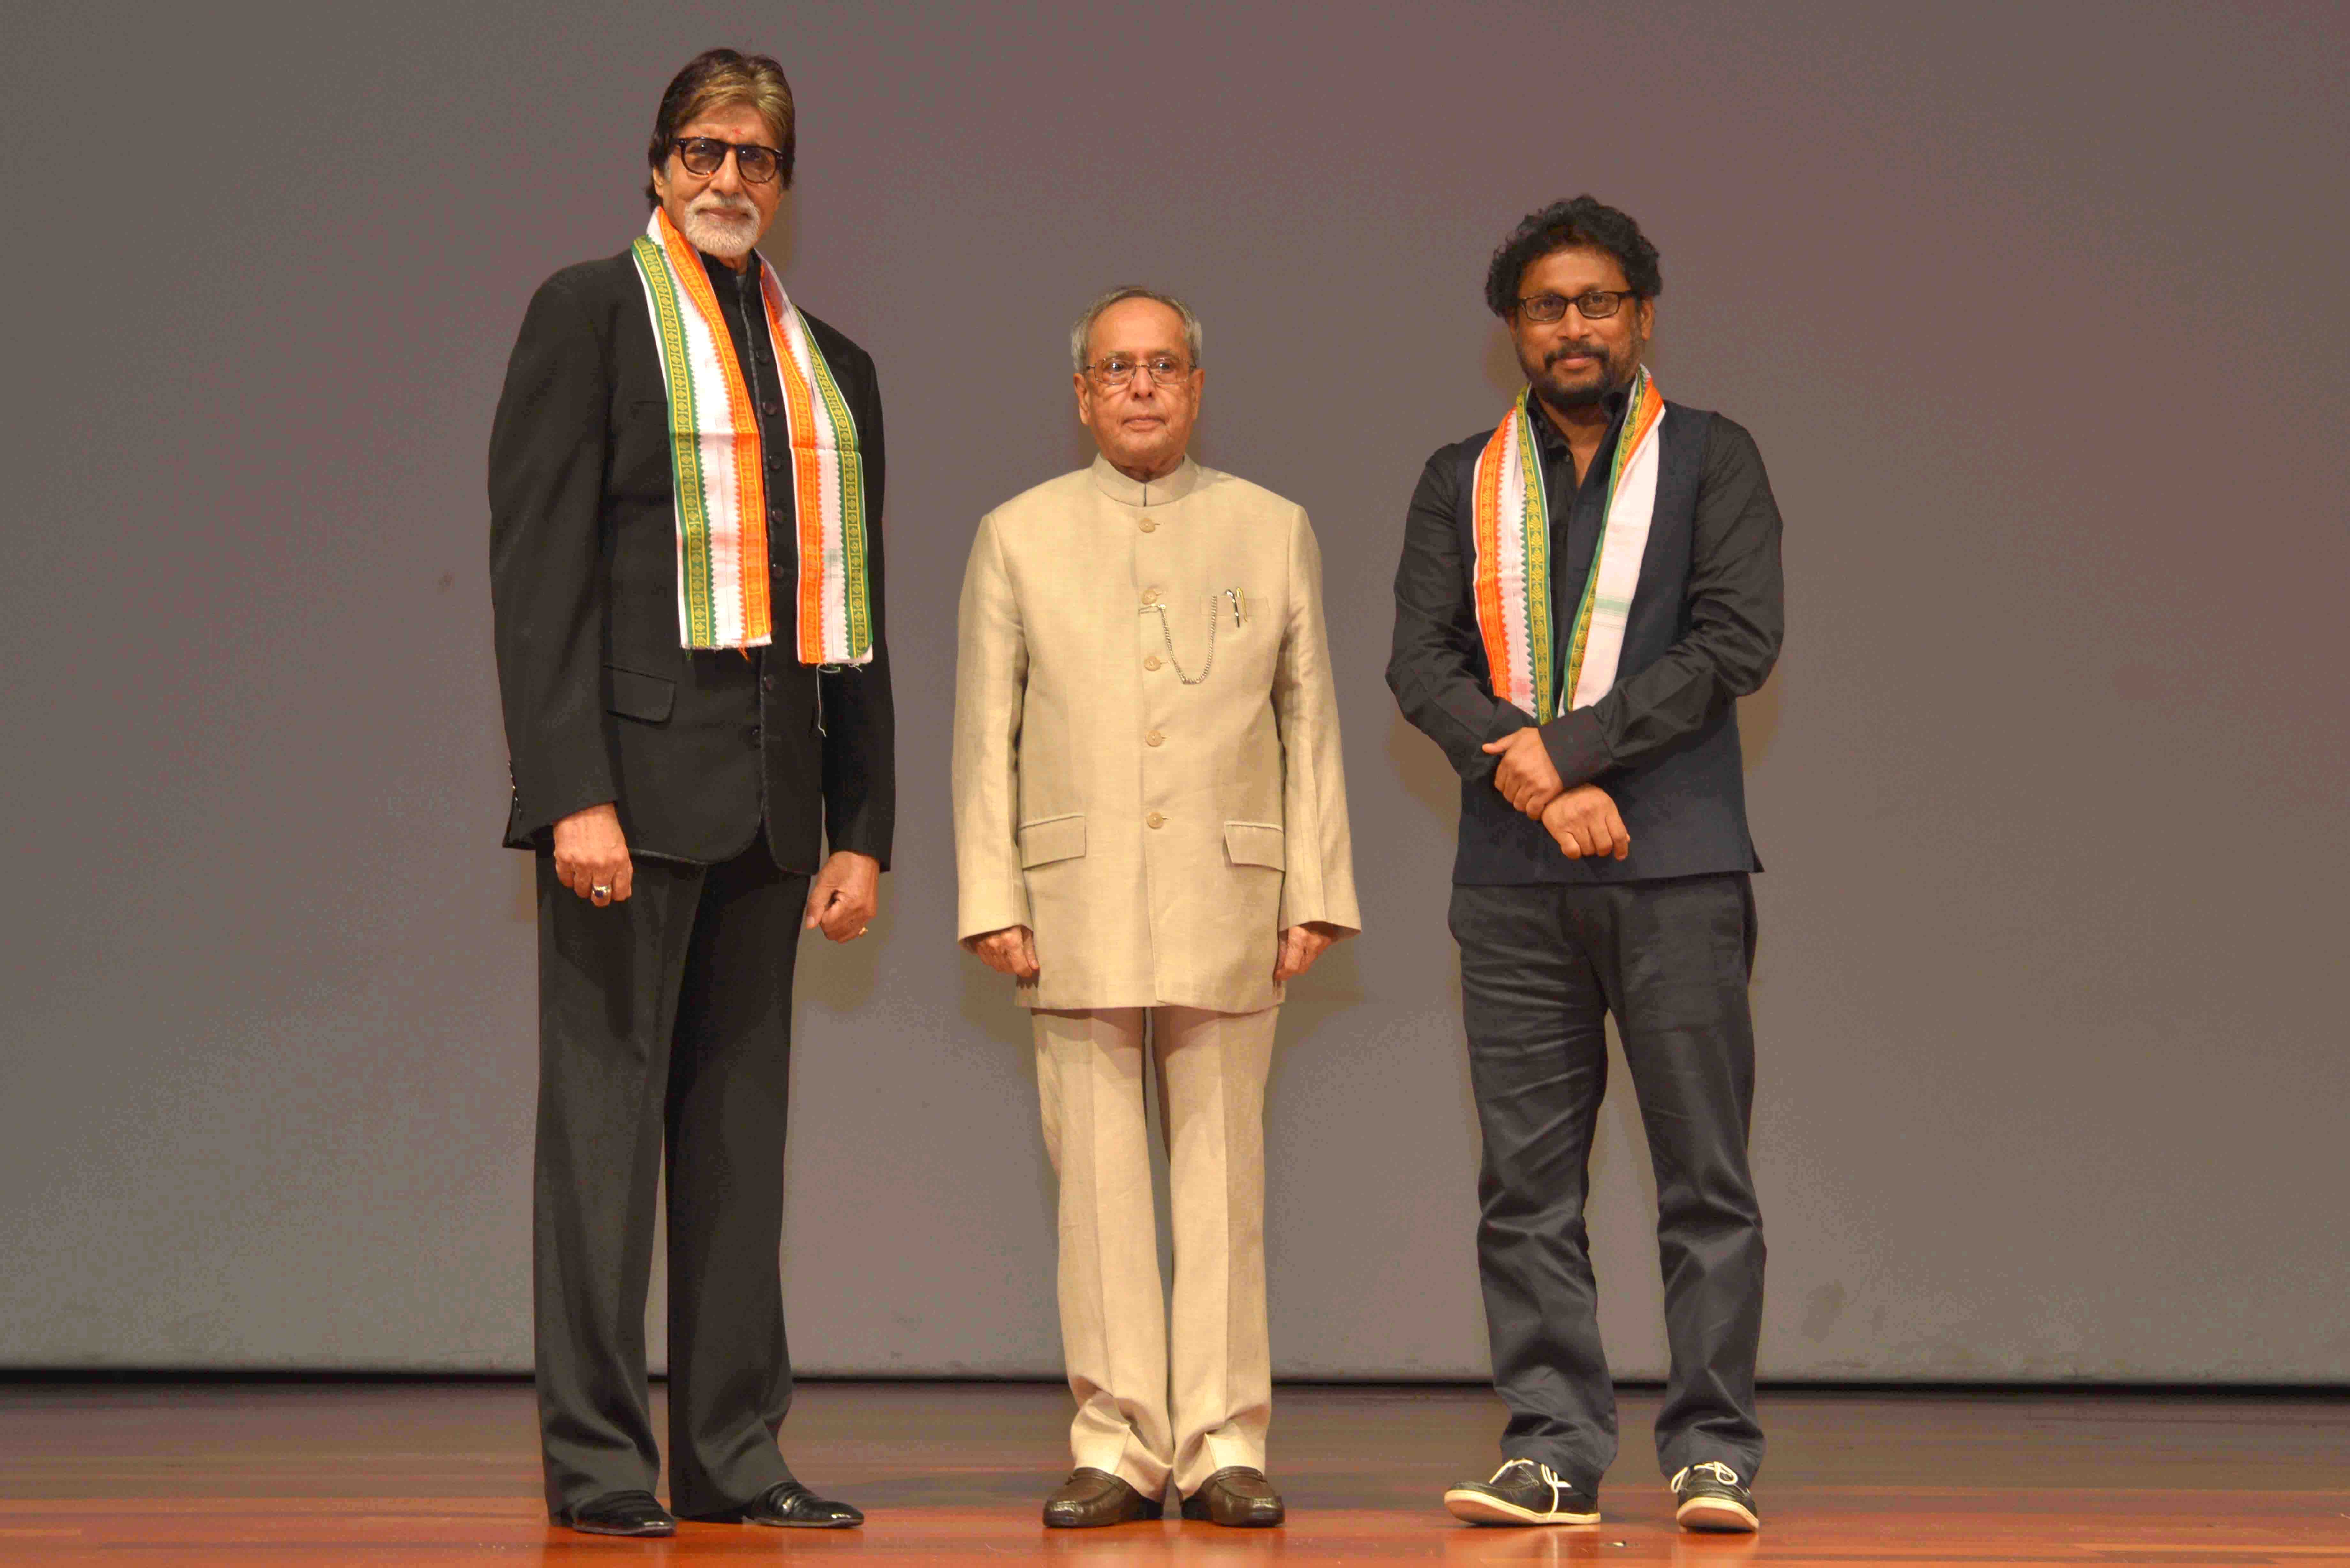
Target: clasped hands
[1584, 820]
[591, 859]
[1012, 949]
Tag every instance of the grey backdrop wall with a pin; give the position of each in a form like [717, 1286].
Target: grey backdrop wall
[2036, 311]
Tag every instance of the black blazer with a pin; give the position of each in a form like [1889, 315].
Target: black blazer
[1705, 628]
[699, 749]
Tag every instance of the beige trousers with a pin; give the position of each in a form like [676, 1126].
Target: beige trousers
[1211, 1069]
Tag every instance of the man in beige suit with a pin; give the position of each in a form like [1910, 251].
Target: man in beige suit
[1150, 832]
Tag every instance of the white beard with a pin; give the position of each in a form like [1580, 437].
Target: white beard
[727, 231]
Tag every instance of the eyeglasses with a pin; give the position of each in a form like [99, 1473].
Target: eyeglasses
[705, 155]
[1119, 370]
[1591, 304]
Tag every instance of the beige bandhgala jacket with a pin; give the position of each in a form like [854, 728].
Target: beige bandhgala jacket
[1156, 836]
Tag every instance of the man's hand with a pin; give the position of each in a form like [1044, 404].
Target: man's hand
[1011, 950]
[1585, 823]
[1527, 778]
[1300, 945]
[592, 855]
[845, 895]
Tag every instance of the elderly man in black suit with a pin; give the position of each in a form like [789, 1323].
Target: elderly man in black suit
[1585, 592]
[685, 491]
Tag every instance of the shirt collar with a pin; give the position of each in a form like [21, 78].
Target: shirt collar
[1135, 492]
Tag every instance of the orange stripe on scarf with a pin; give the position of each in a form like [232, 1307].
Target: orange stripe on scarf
[807, 477]
[1491, 621]
[749, 480]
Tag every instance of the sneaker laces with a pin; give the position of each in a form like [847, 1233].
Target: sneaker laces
[1713, 1467]
[1548, 1477]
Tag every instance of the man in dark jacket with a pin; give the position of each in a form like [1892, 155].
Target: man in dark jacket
[1583, 594]
[685, 550]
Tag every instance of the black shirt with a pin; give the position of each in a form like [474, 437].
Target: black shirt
[740, 303]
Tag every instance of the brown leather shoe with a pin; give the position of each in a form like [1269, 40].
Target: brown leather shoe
[1236, 1496]
[1091, 1497]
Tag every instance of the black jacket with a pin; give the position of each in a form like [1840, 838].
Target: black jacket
[700, 749]
[1706, 624]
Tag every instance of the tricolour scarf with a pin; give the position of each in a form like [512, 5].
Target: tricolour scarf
[715, 457]
[1513, 564]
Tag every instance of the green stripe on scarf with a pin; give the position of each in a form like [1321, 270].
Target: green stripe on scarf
[700, 574]
[1536, 525]
[851, 461]
[1636, 403]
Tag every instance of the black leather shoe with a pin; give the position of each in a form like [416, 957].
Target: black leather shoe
[1236, 1496]
[1710, 1496]
[623, 1513]
[1090, 1498]
[787, 1505]
[1523, 1493]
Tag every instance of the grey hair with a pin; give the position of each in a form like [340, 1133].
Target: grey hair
[1085, 326]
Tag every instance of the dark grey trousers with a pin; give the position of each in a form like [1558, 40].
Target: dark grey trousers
[1541, 968]
[664, 1033]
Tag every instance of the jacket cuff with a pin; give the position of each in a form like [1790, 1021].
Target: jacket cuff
[860, 836]
[1508, 719]
[978, 917]
[1338, 911]
[537, 810]
[1577, 749]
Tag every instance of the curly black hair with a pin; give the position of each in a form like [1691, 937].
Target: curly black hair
[1585, 221]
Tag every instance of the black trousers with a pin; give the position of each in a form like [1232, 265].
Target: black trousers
[1541, 968]
[664, 1036]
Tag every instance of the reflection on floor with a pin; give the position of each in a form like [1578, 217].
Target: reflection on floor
[447, 1473]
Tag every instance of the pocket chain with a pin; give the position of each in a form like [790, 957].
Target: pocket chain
[1169, 632]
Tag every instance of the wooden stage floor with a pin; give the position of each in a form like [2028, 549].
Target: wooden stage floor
[447, 1474]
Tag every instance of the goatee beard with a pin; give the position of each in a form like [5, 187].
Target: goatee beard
[1586, 395]
[724, 233]
[1578, 397]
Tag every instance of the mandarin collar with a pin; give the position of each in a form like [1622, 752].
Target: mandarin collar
[1135, 492]
[715, 269]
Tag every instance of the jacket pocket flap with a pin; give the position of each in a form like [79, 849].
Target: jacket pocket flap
[1052, 838]
[1255, 843]
[635, 696]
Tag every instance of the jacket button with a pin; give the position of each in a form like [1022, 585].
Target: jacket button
[1151, 595]
[1150, 524]
[766, 683]
[751, 733]
[774, 461]
[1151, 662]
[1154, 739]
[771, 407]
[1155, 820]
